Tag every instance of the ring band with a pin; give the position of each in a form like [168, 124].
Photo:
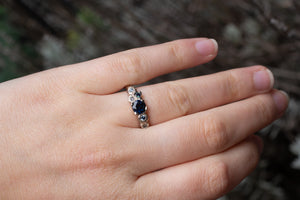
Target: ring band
[138, 106]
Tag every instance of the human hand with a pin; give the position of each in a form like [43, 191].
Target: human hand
[67, 133]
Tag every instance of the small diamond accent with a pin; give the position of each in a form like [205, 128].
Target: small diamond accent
[144, 125]
[131, 99]
[143, 117]
[131, 90]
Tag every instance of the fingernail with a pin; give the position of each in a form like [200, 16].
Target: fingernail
[263, 80]
[207, 47]
[281, 100]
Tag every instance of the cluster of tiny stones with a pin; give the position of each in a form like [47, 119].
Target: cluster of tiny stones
[138, 106]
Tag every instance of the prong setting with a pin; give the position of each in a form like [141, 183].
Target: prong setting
[138, 106]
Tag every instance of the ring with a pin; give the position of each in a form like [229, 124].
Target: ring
[138, 106]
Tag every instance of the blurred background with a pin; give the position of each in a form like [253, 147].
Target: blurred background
[36, 35]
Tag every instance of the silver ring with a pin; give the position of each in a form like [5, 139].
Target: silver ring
[138, 106]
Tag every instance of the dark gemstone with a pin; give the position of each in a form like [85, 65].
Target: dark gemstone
[138, 94]
[139, 107]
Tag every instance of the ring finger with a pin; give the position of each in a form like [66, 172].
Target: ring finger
[205, 133]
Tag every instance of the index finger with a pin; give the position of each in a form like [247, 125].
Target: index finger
[111, 73]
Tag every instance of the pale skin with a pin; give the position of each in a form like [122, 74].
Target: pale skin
[69, 133]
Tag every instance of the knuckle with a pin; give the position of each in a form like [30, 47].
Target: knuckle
[128, 63]
[174, 50]
[231, 86]
[178, 98]
[263, 110]
[102, 159]
[132, 58]
[215, 133]
[217, 179]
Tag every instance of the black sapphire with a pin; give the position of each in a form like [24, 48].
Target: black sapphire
[138, 107]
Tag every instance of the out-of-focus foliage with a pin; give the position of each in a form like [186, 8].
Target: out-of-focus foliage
[11, 53]
[37, 35]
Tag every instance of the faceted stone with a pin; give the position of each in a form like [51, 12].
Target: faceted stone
[131, 90]
[138, 107]
[144, 125]
[143, 117]
[138, 94]
[131, 99]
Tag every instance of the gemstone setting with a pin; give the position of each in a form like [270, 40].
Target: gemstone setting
[139, 107]
[131, 90]
[144, 125]
[131, 99]
[138, 95]
[143, 117]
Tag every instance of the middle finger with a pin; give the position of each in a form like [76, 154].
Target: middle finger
[170, 100]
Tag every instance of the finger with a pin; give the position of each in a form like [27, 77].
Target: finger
[111, 73]
[205, 133]
[206, 178]
[166, 101]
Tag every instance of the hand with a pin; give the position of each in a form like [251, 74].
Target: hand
[67, 133]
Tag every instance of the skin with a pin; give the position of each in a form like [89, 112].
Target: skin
[68, 133]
